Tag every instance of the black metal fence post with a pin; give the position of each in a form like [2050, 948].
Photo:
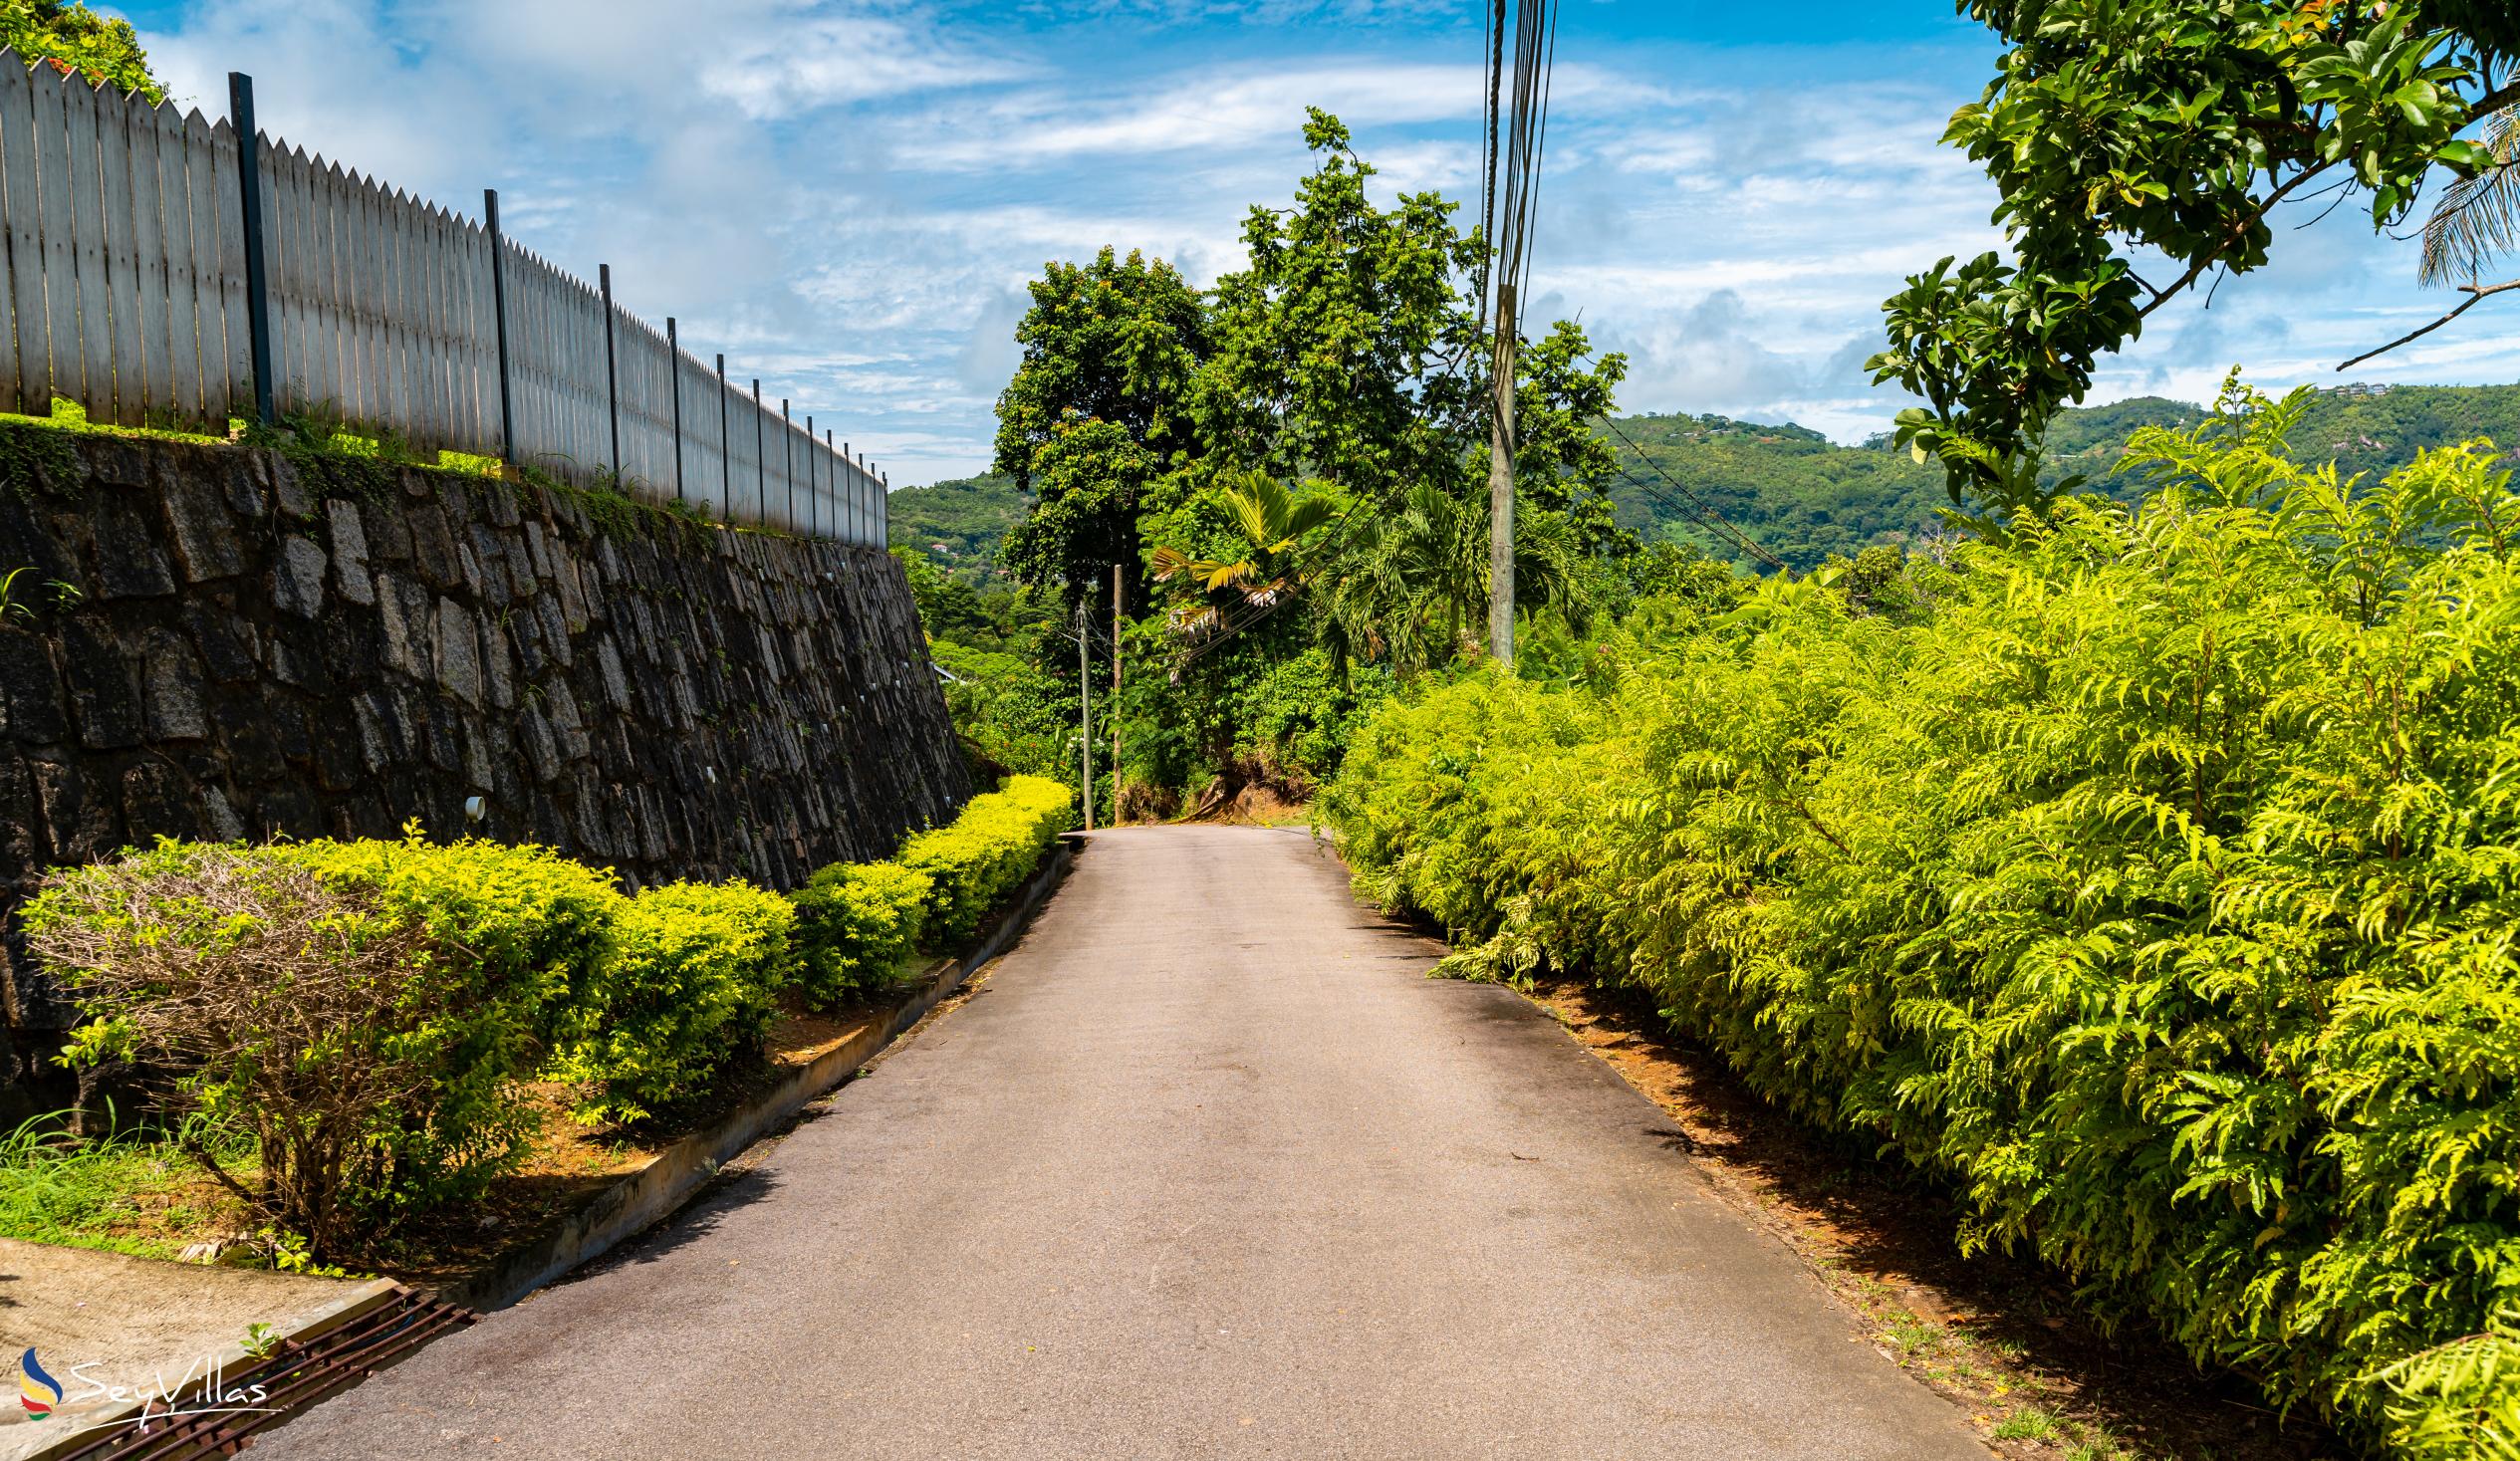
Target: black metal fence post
[673, 370]
[249, 187]
[611, 378]
[725, 448]
[787, 438]
[499, 318]
[760, 456]
[813, 479]
[839, 495]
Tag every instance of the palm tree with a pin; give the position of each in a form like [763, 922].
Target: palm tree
[1410, 583]
[1273, 523]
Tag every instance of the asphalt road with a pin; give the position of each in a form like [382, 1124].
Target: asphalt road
[1207, 1168]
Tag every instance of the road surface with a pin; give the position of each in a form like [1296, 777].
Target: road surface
[1207, 1168]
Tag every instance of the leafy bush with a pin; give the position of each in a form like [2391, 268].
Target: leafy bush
[2151, 881]
[369, 1057]
[855, 923]
[691, 988]
[987, 853]
[535, 927]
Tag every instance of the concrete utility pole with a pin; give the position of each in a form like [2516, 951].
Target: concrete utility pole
[1517, 121]
[1085, 708]
[1500, 486]
[1113, 715]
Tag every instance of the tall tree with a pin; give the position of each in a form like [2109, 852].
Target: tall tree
[2180, 125]
[1095, 411]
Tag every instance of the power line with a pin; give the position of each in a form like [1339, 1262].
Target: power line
[1704, 511]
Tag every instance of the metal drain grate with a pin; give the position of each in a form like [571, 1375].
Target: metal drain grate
[296, 1375]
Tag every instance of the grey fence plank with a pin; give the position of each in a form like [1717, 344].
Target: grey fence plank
[149, 245]
[175, 242]
[425, 304]
[396, 288]
[283, 253]
[128, 400]
[61, 248]
[323, 216]
[359, 301]
[19, 181]
[86, 217]
[222, 164]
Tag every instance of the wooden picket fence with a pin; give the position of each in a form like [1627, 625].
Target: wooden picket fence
[128, 291]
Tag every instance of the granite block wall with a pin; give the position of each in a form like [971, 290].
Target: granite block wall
[231, 642]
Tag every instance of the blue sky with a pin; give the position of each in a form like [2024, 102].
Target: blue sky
[848, 197]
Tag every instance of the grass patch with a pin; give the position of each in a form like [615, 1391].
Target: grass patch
[130, 1192]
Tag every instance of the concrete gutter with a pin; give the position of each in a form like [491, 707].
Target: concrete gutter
[644, 1197]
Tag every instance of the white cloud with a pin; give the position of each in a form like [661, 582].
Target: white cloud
[848, 195]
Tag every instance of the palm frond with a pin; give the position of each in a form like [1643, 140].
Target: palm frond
[2478, 218]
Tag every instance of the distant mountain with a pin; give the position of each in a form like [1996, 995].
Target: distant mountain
[1805, 499]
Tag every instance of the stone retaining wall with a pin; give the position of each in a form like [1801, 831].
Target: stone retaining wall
[218, 642]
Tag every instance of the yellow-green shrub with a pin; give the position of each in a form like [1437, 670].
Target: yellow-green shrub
[2156, 888]
[303, 993]
[689, 988]
[856, 925]
[987, 853]
[535, 926]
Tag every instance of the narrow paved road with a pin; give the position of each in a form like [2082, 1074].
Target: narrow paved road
[1207, 1169]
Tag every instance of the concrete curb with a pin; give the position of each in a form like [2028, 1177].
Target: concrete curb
[654, 1192]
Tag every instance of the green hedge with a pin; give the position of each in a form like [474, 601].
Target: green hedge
[857, 923]
[691, 988]
[368, 1008]
[987, 853]
[2152, 879]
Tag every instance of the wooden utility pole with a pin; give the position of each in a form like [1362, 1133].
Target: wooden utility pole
[1500, 486]
[1113, 714]
[1085, 708]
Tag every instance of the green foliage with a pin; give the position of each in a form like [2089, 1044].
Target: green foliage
[1114, 340]
[318, 999]
[2150, 880]
[2173, 124]
[534, 928]
[688, 993]
[987, 853]
[1092, 476]
[1296, 713]
[76, 39]
[1012, 713]
[88, 1192]
[959, 524]
[1094, 412]
[856, 923]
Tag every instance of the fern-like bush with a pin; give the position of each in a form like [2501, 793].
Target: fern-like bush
[856, 923]
[2152, 878]
[690, 990]
[987, 853]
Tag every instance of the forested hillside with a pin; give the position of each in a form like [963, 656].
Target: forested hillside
[1805, 499]
[957, 524]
